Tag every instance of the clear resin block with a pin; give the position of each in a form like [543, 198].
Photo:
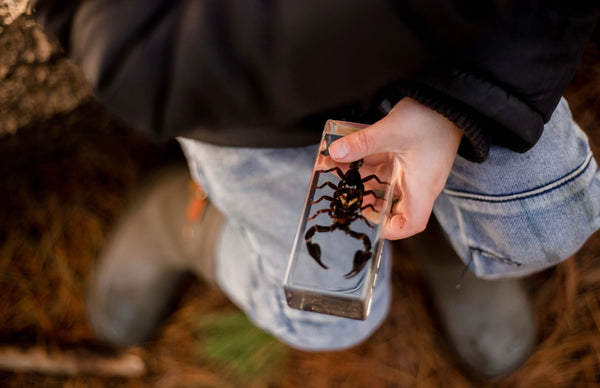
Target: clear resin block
[336, 253]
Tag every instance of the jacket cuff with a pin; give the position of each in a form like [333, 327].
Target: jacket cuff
[476, 141]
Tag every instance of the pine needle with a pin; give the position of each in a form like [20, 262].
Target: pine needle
[245, 352]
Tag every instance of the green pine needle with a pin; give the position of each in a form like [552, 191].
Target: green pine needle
[230, 340]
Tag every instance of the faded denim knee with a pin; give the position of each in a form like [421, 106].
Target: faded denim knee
[517, 214]
[522, 233]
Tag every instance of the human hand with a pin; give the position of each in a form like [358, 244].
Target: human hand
[426, 144]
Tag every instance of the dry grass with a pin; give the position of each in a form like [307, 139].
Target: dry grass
[65, 180]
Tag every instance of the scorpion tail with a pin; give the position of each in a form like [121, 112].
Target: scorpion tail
[360, 260]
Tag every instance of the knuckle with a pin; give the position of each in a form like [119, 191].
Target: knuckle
[420, 226]
[363, 142]
[419, 222]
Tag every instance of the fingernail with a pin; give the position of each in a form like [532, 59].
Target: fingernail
[338, 150]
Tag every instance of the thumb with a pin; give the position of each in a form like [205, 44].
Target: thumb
[356, 145]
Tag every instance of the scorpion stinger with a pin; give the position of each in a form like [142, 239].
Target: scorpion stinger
[345, 207]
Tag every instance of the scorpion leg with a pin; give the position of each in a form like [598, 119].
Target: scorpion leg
[336, 169]
[373, 176]
[360, 257]
[369, 224]
[330, 184]
[317, 213]
[369, 206]
[314, 249]
[327, 197]
[373, 193]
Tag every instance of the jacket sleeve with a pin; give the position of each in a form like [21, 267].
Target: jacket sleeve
[168, 66]
[503, 87]
[247, 72]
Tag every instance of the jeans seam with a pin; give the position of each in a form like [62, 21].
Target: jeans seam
[495, 257]
[541, 190]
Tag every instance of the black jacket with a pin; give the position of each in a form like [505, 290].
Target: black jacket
[269, 73]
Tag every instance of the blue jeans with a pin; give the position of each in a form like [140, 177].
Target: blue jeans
[510, 216]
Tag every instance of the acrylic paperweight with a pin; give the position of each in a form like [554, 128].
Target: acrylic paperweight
[337, 249]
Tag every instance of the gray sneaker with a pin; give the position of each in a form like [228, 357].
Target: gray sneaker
[489, 323]
[169, 231]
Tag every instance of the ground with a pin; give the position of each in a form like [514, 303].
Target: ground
[67, 169]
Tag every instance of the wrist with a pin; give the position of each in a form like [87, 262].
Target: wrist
[422, 127]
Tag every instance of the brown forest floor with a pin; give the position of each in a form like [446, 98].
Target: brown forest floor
[67, 168]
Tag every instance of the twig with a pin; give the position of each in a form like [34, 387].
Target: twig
[70, 362]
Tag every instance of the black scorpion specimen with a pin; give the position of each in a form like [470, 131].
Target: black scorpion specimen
[346, 207]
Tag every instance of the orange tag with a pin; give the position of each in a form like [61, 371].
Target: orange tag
[197, 202]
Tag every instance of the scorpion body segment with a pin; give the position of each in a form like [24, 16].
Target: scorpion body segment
[346, 206]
